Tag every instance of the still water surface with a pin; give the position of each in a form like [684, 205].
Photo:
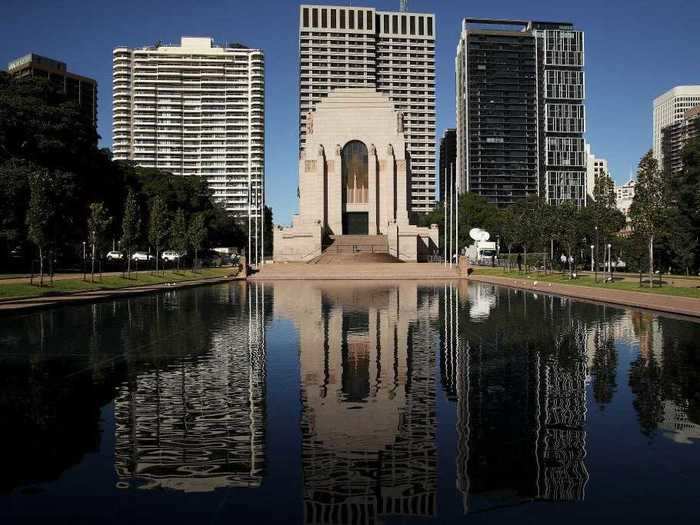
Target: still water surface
[337, 403]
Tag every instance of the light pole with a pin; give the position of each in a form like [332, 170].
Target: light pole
[452, 202]
[84, 256]
[610, 261]
[457, 253]
[444, 213]
[596, 253]
[592, 262]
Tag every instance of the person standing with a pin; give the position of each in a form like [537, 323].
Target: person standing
[562, 261]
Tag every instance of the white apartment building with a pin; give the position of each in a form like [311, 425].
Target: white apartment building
[595, 167]
[394, 52]
[624, 195]
[196, 109]
[669, 109]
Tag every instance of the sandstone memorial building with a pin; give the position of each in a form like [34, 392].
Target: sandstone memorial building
[354, 183]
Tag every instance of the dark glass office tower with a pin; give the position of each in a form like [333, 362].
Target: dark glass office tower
[520, 113]
[448, 159]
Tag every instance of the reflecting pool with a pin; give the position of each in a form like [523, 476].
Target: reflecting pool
[349, 402]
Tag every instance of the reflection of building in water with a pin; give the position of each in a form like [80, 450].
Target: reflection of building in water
[676, 424]
[482, 299]
[520, 406]
[368, 396]
[198, 424]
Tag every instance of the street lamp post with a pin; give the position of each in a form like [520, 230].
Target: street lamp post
[596, 254]
[609, 261]
[84, 256]
[592, 261]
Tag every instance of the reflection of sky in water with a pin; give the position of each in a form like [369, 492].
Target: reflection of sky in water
[349, 403]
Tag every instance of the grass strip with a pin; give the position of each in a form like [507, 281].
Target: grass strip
[112, 282]
[585, 280]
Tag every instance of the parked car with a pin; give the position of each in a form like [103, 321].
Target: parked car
[171, 255]
[115, 255]
[141, 256]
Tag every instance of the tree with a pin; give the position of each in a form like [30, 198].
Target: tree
[648, 210]
[683, 190]
[565, 228]
[40, 215]
[131, 225]
[197, 235]
[179, 235]
[602, 214]
[98, 222]
[157, 225]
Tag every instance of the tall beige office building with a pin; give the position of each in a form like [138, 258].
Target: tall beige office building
[394, 52]
[195, 109]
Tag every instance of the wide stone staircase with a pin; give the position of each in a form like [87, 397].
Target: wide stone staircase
[356, 257]
[353, 249]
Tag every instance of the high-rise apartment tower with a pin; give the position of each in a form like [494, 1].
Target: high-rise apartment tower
[195, 109]
[520, 110]
[347, 47]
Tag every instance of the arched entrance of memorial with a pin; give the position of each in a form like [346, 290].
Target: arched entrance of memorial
[355, 171]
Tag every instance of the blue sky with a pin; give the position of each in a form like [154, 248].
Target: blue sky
[635, 50]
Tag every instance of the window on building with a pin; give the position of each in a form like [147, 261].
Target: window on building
[386, 24]
[360, 20]
[369, 20]
[314, 17]
[395, 24]
[413, 25]
[403, 25]
[342, 19]
[306, 17]
[333, 20]
[324, 18]
[351, 19]
[421, 26]
[430, 26]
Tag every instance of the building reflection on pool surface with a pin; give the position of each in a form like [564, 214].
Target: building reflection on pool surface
[348, 402]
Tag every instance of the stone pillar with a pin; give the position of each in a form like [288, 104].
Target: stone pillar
[401, 192]
[387, 177]
[334, 193]
[373, 206]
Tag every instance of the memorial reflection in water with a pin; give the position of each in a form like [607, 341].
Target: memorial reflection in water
[367, 356]
[408, 400]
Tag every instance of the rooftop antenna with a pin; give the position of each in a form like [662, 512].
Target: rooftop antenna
[404, 6]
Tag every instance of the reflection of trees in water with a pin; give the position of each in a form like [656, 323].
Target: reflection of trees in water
[665, 377]
[60, 366]
[604, 365]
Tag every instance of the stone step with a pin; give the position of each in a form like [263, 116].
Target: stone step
[361, 271]
[359, 239]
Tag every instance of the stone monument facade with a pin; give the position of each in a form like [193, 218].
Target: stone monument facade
[354, 179]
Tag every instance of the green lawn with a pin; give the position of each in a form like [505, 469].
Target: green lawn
[632, 286]
[22, 290]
